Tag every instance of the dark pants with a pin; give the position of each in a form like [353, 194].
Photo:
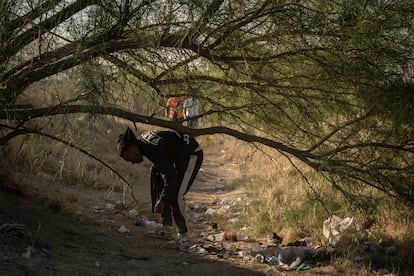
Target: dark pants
[186, 173]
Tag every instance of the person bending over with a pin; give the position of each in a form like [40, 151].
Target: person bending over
[176, 159]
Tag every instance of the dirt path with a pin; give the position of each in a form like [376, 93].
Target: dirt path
[78, 234]
[86, 240]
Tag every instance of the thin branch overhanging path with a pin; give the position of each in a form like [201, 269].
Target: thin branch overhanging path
[25, 114]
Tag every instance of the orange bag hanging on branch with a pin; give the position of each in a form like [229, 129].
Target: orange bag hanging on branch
[174, 109]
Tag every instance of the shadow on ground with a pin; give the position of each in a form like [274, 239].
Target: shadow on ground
[39, 237]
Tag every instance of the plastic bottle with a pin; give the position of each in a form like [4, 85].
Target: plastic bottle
[226, 236]
[272, 260]
[259, 258]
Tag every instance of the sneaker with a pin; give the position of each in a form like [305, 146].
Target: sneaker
[164, 232]
[182, 243]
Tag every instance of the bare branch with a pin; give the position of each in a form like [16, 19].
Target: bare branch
[24, 131]
[136, 118]
[33, 33]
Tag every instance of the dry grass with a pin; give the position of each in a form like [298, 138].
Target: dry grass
[276, 185]
[280, 200]
[283, 202]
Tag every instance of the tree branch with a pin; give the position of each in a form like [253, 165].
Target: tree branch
[136, 118]
[31, 34]
[23, 131]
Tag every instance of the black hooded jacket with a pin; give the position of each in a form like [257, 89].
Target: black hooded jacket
[169, 151]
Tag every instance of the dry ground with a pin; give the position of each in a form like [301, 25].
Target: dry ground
[69, 235]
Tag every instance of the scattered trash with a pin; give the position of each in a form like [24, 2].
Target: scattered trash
[109, 206]
[272, 260]
[297, 255]
[222, 210]
[147, 223]
[226, 236]
[210, 211]
[259, 258]
[97, 264]
[133, 213]
[195, 249]
[291, 257]
[212, 249]
[334, 226]
[275, 239]
[233, 220]
[236, 201]
[301, 242]
[282, 258]
[303, 266]
[198, 208]
[258, 249]
[196, 218]
[242, 254]
[27, 252]
[123, 229]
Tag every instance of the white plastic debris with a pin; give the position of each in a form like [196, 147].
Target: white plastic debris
[334, 226]
[123, 229]
[236, 201]
[210, 211]
[109, 206]
[27, 252]
[259, 258]
[198, 208]
[233, 220]
[222, 210]
[195, 249]
[133, 213]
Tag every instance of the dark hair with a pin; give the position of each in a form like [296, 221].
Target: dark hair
[125, 140]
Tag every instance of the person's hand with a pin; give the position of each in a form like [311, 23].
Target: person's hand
[159, 207]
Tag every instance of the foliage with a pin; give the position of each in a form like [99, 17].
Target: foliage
[327, 83]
